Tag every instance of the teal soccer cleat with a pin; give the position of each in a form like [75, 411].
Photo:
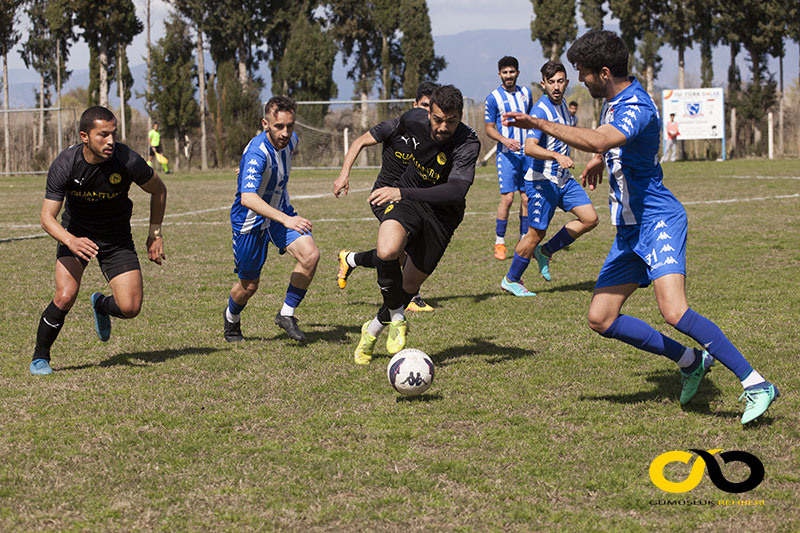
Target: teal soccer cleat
[759, 398]
[543, 262]
[102, 323]
[691, 381]
[41, 367]
[515, 287]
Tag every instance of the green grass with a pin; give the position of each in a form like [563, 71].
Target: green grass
[534, 422]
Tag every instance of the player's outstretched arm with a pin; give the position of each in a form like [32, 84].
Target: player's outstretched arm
[157, 190]
[599, 140]
[253, 201]
[342, 183]
[83, 247]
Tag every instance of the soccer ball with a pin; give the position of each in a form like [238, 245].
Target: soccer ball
[410, 372]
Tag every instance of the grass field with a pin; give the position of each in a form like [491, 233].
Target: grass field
[533, 422]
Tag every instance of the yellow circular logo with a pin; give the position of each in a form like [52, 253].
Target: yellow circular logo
[691, 481]
[114, 179]
[441, 158]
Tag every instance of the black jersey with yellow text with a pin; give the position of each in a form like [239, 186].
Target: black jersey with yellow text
[395, 153]
[96, 203]
[433, 164]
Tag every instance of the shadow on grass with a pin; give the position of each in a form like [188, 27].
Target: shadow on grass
[481, 346]
[424, 398]
[476, 298]
[584, 286]
[147, 357]
[329, 334]
[668, 386]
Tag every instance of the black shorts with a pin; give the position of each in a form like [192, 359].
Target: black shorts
[378, 211]
[114, 258]
[428, 236]
[154, 149]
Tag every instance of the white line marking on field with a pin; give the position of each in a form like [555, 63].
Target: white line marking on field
[141, 221]
[763, 177]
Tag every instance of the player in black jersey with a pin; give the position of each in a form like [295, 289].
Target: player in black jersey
[394, 158]
[421, 211]
[92, 180]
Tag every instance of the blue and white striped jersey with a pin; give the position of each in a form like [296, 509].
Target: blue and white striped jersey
[264, 170]
[637, 193]
[501, 101]
[549, 169]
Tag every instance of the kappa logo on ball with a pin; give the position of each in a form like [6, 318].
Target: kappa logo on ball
[706, 458]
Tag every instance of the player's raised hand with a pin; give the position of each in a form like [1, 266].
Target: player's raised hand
[385, 195]
[564, 161]
[518, 120]
[593, 173]
[299, 224]
[83, 247]
[155, 249]
[341, 184]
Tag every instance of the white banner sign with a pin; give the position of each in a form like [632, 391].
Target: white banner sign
[699, 113]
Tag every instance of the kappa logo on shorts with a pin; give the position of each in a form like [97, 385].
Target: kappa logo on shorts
[663, 236]
[667, 248]
[388, 208]
[441, 158]
[670, 261]
[115, 178]
[538, 204]
[706, 459]
[661, 224]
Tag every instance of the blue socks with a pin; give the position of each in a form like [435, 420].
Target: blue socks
[500, 227]
[518, 266]
[523, 225]
[233, 307]
[559, 240]
[715, 342]
[294, 296]
[642, 335]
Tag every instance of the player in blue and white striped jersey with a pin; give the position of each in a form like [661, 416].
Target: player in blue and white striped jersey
[548, 185]
[650, 245]
[511, 161]
[262, 213]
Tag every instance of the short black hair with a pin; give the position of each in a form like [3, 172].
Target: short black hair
[551, 68]
[672, 114]
[448, 98]
[572, 103]
[596, 49]
[94, 113]
[425, 88]
[279, 103]
[507, 61]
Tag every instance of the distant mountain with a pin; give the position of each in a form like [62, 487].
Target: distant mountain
[471, 66]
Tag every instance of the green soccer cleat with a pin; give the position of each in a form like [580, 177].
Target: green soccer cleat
[366, 346]
[398, 332]
[690, 381]
[543, 261]
[515, 287]
[759, 398]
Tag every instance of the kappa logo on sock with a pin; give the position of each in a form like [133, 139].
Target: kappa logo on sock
[706, 459]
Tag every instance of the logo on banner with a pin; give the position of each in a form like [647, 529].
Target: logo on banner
[693, 109]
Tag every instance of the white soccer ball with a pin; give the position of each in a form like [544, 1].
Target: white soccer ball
[410, 372]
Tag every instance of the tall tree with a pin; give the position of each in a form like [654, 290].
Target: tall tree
[420, 62]
[173, 74]
[305, 70]
[8, 38]
[60, 20]
[704, 31]
[36, 53]
[593, 12]
[105, 25]
[638, 20]
[676, 24]
[196, 12]
[553, 25]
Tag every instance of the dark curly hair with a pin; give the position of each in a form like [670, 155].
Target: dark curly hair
[448, 98]
[551, 68]
[279, 103]
[600, 48]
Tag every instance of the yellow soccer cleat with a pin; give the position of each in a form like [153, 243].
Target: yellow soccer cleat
[398, 331]
[344, 269]
[366, 346]
[418, 304]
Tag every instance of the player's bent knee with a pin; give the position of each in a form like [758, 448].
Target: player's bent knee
[64, 300]
[672, 316]
[599, 324]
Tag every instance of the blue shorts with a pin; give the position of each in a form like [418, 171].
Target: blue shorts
[250, 249]
[544, 196]
[644, 252]
[511, 169]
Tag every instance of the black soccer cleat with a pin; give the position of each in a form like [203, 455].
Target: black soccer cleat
[289, 323]
[233, 330]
